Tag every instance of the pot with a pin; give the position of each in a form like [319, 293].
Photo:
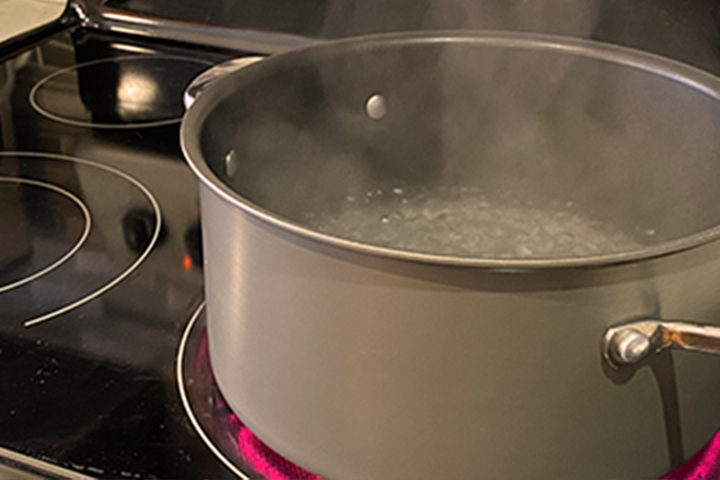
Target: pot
[358, 359]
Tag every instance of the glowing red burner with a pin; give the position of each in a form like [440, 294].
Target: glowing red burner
[704, 465]
[254, 453]
[264, 460]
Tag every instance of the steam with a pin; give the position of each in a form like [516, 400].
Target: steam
[561, 17]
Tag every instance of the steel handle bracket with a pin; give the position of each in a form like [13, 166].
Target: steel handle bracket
[630, 343]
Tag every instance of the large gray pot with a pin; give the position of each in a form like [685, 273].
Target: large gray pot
[359, 361]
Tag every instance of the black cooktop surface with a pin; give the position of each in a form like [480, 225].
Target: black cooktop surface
[100, 263]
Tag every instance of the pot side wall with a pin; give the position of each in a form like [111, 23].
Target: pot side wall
[356, 366]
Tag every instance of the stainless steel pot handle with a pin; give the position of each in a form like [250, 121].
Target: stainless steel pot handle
[628, 344]
[209, 76]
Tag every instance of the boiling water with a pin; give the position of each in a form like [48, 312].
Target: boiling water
[462, 222]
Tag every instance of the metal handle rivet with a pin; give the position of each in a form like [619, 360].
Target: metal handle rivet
[376, 106]
[630, 346]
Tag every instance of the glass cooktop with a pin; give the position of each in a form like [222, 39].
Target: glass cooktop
[100, 265]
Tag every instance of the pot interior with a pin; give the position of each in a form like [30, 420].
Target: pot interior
[511, 147]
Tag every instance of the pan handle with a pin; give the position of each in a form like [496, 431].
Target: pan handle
[630, 343]
[209, 76]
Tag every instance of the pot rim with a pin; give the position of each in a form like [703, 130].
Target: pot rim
[676, 71]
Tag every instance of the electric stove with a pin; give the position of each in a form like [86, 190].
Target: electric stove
[103, 356]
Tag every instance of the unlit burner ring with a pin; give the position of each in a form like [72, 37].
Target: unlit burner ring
[78, 244]
[129, 269]
[133, 89]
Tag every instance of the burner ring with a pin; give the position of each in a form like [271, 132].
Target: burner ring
[33, 96]
[182, 390]
[128, 270]
[215, 423]
[78, 244]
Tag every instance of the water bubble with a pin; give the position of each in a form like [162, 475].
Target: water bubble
[376, 106]
[398, 191]
[470, 224]
[651, 232]
[524, 251]
[350, 198]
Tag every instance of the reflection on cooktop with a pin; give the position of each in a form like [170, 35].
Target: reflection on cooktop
[68, 243]
[132, 91]
[20, 260]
